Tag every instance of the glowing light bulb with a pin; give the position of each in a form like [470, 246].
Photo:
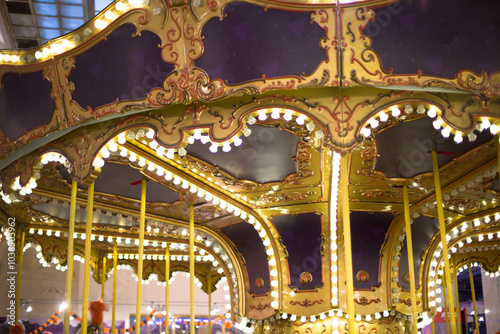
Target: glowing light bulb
[432, 112]
[275, 113]
[214, 147]
[383, 117]
[395, 111]
[300, 120]
[262, 115]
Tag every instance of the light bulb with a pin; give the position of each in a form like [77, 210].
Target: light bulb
[395, 111]
[300, 120]
[432, 112]
[262, 115]
[275, 113]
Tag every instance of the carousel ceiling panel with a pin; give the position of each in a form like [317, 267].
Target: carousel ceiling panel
[61, 211]
[249, 244]
[122, 180]
[368, 231]
[302, 236]
[422, 230]
[415, 35]
[25, 102]
[265, 156]
[119, 67]
[407, 156]
[252, 41]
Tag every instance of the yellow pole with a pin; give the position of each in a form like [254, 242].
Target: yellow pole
[209, 278]
[473, 291]
[167, 285]
[113, 309]
[19, 274]
[142, 218]
[191, 266]
[457, 300]
[103, 278]
[70, 261]
[446, 310]
[442, 232]
[433, 329]
[86, 272]
[344, 190]
[409, 244]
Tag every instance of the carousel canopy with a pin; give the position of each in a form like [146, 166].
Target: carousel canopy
[249, 112]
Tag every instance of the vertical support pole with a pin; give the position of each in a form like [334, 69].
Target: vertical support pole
[442, 232]
[86, 272]
[113, 309]
[344, 190]
[209, 278]
[409, 247]
[473, 291]
[433, 327]
[191, 267]
[167, 285]
[457, 300]
[142, 218]
[19, 274]
[70, 261]
[446, 313]
[103, 278]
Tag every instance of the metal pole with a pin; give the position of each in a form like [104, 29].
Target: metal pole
[113, 310]
[442, 232]
[344, 190]
[19, 274]
[88, 249]
[446, 313]
[209, 278]
[103, 278]
[473, 291]
[409, 244]
[457, 300]
[167, 286]
[69, 259]
[191, 267]
[142, 218]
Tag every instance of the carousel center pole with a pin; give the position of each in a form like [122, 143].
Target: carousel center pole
[142, 218]
[86, 272]
[70, 261]
[19, 274]
[473, 292]
[442, 232]
[191, 267]
[113, 308]
[167, 286]
[409, 248]
[344, 190]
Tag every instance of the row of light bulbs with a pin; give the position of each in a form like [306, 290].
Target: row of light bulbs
[477, 264]
[335, 314]
[61, 45]
[439, 123]
[467, 226]
[115, 146]
[333, 226]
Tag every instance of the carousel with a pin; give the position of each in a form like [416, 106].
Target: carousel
[334, 162]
